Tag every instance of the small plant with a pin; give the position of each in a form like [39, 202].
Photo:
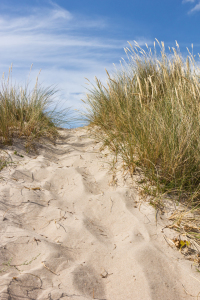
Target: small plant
[25, 263]
[7, 265]
[5, 159]
[16, 153]
[2, 164]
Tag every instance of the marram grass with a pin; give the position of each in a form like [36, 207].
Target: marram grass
[149, 114]
[28, 114]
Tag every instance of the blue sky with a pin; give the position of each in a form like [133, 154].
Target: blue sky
[73, 39]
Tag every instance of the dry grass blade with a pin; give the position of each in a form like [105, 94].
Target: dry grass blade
[5, 159]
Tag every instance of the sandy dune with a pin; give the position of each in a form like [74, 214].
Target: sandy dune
[67, 232]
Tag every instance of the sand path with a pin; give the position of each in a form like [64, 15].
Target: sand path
[67, 233]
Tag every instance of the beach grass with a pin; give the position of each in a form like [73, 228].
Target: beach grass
[28, 113]
[148, 113]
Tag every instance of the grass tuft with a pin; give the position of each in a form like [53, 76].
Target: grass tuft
[148, 113]
[28, 114]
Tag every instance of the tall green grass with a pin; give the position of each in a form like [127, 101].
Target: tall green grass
[28, 113]
[149, 114]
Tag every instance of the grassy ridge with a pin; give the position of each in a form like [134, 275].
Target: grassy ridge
[26, 113]
[149, 114]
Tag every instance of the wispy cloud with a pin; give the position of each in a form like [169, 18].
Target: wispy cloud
[184, 1]
[195, 8]
[65, 46]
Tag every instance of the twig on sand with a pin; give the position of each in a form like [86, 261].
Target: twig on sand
[189, 293]
[6, 211]
[32, 188]
[62, 227]
[169, 242]
[50, 269]
[195, 278]
[111, 204]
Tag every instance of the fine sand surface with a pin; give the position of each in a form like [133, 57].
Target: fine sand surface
[70, 230]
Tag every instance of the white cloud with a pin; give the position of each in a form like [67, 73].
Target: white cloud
[196, 8]
[65, 46]
[184, 1]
